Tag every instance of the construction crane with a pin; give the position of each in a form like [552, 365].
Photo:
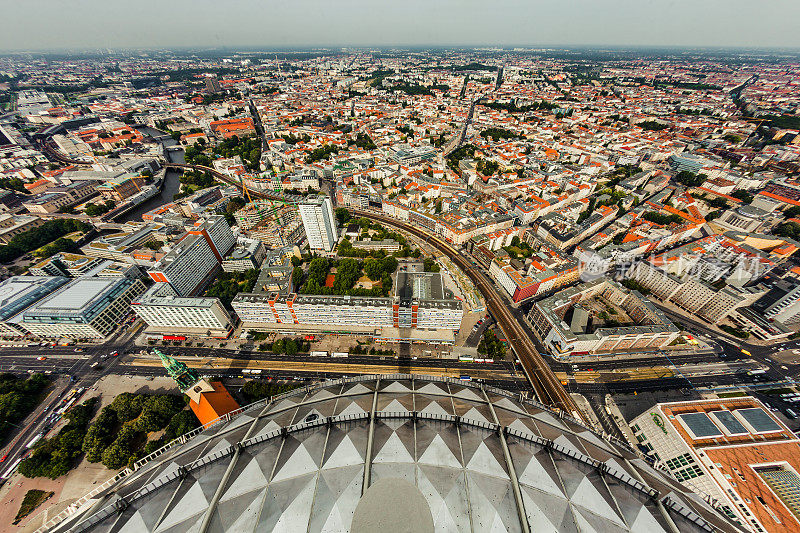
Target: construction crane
[245, 189]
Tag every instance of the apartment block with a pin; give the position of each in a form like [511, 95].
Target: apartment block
[420, 303]
[320, 223]
[190, 263]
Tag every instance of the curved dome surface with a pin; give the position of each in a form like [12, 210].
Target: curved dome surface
[481, 458]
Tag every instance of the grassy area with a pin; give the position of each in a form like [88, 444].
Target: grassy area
[782, 390]
[43, 250]
[33, 499]
[737, 394]
[736, 332]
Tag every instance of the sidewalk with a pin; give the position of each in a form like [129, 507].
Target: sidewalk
[586, 408]
[672, 308]
[619, 420]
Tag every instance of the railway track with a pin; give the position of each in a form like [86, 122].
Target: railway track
[545, 384]
[253, 193]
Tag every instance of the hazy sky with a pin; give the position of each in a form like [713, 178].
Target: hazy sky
[47, 24]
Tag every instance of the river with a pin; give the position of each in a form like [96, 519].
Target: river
[171, 180]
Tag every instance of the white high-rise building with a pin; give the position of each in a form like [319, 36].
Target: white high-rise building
[320, 223]
[189, 265]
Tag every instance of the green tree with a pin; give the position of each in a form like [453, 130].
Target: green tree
[236, 203]
[17, 398]
[291, 347]
[40, 236]
[690, 179]
[297, 277]
[56, 456]
[279, 346]
[318, 270]
[373, 268]
[59, 245]
[430, 265]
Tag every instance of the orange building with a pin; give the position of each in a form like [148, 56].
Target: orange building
[210, 400]
[233, 126]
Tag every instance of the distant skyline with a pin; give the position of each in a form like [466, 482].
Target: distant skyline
[95, 24]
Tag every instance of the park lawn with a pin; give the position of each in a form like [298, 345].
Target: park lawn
[33, 499]
[74, 237]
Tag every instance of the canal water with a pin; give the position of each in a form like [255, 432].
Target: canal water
[171, 179]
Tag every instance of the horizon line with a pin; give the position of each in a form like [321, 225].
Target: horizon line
[340, 48]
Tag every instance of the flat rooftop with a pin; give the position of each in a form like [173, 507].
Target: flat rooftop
[421, 286]
[78, 301]
[20, 292]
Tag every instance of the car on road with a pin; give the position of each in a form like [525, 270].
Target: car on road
[114, 353]
[41, 358]
[3, 458]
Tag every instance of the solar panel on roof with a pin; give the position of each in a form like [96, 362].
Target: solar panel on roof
[700, 425]
[760, 421]
[730, 422]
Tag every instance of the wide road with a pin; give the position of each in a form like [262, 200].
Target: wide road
[332, 365]
[546, 385]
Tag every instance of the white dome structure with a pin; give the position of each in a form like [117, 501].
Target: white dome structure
[394, 453]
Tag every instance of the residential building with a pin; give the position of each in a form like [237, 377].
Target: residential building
[319, 223]
[121, 188]
[577, 321]
[9, 201]
[56, 198]
[77, 265]
[691, 293]
[420, 304]
[192, 261]
[247, 254]
[13, 225]
[387, 245]
[240, 127]
[781, 303]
